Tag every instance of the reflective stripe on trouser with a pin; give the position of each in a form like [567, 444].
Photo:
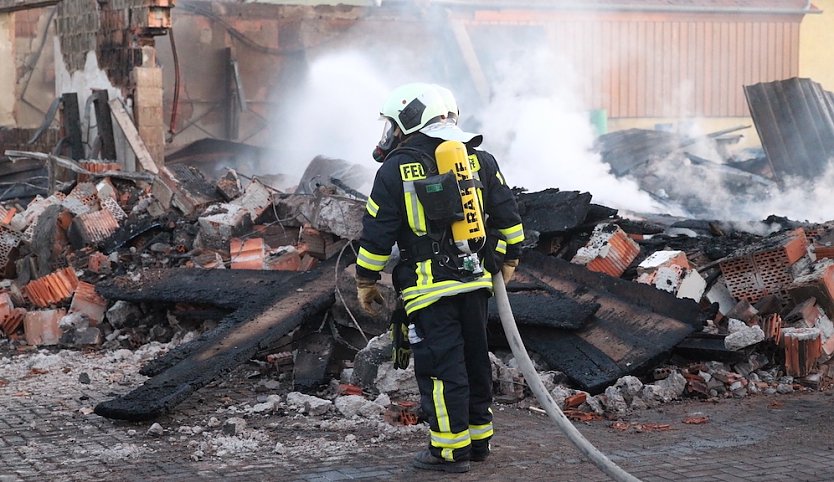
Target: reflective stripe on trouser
[453, 372]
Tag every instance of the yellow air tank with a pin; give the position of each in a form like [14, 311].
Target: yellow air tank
[451, 156]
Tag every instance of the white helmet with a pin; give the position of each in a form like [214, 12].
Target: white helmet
[414, 106]
[452, 111]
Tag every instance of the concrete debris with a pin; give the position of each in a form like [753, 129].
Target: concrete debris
[155, 430]
[744, 337]
[234, 426]
[308, 404]
[357, 406]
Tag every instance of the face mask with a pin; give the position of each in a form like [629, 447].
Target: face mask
[387, 142]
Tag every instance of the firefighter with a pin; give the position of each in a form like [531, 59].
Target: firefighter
[444, 283]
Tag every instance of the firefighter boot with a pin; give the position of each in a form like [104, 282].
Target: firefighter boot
[480, 451]
[426, 461]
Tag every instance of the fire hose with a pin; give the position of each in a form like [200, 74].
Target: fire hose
[537, 387]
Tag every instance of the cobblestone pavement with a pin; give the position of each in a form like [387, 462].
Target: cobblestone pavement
[50, 435]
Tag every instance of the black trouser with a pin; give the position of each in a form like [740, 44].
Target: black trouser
[454, 373]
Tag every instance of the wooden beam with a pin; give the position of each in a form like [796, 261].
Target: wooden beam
[104, 124]
[132, 135]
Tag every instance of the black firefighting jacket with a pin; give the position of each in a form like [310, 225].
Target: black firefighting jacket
[395, 214]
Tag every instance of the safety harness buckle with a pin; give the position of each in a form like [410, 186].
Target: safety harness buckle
[435, 247]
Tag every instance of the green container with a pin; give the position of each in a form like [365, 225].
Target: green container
[599, 119]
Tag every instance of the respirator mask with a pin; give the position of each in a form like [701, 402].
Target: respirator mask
[387, 142]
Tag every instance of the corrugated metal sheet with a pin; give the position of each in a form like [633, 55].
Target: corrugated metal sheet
[636, 64]
[795, 121]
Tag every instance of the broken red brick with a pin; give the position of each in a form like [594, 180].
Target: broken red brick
[803, 348]
[41, 327]
[696, 420]
[772, 327]
[308, 263]
[248, 254]
[52, 288]
[576, 400]
[818, 284]
[10, 317]
[6, 215]
[759, 271]
[95, 226]
[287, 262]
[89, 303]
[97, 166]
[609, 251]
[580, 416]
[98, 263]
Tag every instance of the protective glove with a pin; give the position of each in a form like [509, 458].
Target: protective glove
[400, 346]
[367, 292]
[508, 269]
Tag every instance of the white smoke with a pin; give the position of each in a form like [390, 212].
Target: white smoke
[543, 138]
[334, 114]
[799, 199]
[538, 129]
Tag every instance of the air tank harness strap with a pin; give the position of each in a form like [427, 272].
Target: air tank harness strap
[421, 251]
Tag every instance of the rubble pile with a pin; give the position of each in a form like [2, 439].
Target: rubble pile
[623, 312]
[54, 250]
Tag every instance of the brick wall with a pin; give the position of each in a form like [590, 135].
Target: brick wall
[116, 30]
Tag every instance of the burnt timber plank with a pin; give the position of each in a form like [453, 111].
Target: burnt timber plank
[269, 305]
[635, 326]
[549, 309]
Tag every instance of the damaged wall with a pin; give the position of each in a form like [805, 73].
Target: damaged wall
[7, 72]
[270, 44]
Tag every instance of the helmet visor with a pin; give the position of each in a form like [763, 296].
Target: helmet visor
[386, 142]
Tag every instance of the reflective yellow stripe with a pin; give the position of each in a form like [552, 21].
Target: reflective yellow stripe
[480, 432]
[372, 207]
[450, 440]
[424, 276]
[500, 177]
[414, 212]
[371, 261]
[433, 294]
[501, 247]
[440, 407]
[513, 234]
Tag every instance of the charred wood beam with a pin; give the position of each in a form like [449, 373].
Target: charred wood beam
[548, 309]
[635, 327]
[104, 124]
[269, 305]
[72, 125]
